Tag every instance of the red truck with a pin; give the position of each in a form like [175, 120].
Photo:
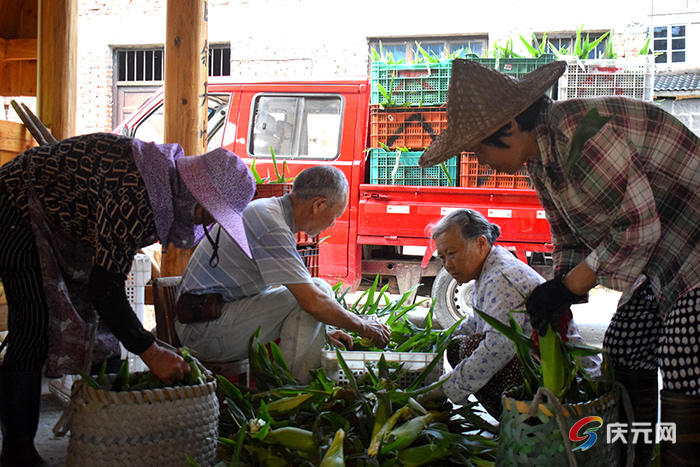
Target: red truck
[327, 121]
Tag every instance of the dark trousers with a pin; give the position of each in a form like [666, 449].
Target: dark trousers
[20, 271]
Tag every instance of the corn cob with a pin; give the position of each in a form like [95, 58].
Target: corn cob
[286, 405]
[334, 456]
[421, 455]
[195, 375]
[382, 412]
[378, 438]
[293, 438]
[552, 360]
[406, 434]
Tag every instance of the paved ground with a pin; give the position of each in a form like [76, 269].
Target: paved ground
[593, 319]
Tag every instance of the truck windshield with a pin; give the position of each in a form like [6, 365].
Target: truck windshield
[151, 128]
[297, 126]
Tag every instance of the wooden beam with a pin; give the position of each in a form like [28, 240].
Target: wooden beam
[18, 49]
[18, 78]
[57, 69]
[14, 139]
[185, 101]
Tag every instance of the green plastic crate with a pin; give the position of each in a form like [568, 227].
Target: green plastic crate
[423, 84]
[515, 67]
[384, 169]
[415, 84]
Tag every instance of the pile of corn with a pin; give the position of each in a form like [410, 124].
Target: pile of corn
[359, 424]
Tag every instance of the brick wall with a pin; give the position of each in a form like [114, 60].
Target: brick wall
[321, 37]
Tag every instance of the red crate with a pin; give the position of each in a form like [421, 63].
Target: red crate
[309, 254]
[412, 127]
[475, 175]
[269, 190]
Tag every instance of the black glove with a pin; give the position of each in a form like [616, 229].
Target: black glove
[548, 302]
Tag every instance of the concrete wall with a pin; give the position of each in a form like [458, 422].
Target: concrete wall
[321, 37]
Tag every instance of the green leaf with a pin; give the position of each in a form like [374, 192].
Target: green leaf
[645, 48]
[256, 175]
[443, 166]
[533, 50]
[348, 371]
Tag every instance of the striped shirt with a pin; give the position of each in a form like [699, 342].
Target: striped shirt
[629, 204]
[269, 225]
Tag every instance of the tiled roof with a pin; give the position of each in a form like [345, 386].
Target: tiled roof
[686, 82]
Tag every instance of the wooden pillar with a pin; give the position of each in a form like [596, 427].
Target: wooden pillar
[185, 102]
[57, 66]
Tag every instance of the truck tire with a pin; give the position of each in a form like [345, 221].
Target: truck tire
[452, 300]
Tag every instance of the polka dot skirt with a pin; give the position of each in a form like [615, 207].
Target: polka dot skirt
[640, 338]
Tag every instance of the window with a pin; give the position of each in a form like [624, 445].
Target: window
[219, 60]
[407, 48]
[564, 43]
[140, 65]
[669, 41]
[296, 126]
[151, 128]
[148, 65]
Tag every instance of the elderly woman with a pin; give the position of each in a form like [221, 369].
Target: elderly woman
[484, 361]
[72, 216]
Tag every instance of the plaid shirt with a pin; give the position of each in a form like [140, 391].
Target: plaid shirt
[629, 204]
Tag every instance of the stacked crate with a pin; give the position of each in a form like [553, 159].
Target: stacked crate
[402, 126]
[629, 77]
[408, 111]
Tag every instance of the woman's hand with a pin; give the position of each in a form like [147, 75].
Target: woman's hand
[165, 364]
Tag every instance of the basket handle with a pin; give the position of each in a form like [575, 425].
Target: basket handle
[559, 410]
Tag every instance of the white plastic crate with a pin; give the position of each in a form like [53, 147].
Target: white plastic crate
[136, 282]
[414, 363]
[135, 287]
[629, 77]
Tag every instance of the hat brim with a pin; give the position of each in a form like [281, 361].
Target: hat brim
[199, 184]
[494, 108]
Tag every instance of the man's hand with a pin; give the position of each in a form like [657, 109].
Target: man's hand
[377, 331]
[166, 365]
[340, 339]
[548, 302]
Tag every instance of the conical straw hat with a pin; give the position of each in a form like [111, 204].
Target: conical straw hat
[480, 100]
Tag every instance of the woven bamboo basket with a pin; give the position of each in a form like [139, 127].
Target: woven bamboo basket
[535, 433]
[154, 427]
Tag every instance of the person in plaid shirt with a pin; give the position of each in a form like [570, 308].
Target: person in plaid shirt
[619, 180]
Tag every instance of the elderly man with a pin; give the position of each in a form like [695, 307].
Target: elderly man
[619, 180]
[297, 312]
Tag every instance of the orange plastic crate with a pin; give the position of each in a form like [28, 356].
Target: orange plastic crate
[475, 175]
[412, 127]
